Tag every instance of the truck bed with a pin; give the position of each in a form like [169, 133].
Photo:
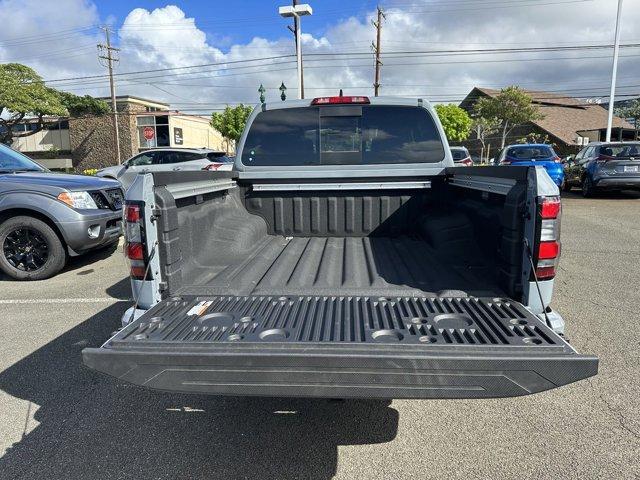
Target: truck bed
[360, 266]
[341, 346]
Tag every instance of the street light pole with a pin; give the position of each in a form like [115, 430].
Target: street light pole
[614, 72]
[296, 11]
[296, 21]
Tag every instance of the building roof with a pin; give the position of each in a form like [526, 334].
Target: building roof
[564, 116]
[134, 99]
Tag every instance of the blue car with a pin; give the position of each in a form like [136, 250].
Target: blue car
[534, 154]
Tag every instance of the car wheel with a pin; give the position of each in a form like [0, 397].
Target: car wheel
[30, 249]
[588, 190]
[566, 186]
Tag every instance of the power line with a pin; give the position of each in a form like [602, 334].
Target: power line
[396, 54]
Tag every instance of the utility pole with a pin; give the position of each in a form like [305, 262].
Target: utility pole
[296, 11]
[294, 30]
[376, 49]
[107, 53]
[614, 72]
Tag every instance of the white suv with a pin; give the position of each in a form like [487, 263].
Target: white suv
[165, 160]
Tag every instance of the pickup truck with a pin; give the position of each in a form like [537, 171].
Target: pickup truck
[344, 256]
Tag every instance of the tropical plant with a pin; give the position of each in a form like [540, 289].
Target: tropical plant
[455, 121]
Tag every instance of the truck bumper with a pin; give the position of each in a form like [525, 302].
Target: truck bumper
[347, 347]
[89, 229]
[618, 183]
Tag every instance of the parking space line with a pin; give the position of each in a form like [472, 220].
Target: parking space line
[63, 300]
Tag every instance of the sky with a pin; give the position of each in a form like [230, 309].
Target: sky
[201, 55]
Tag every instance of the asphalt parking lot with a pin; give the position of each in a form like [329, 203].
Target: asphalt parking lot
[59, 420]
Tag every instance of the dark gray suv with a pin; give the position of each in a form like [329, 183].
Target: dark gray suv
[604, 166]
[46, 217]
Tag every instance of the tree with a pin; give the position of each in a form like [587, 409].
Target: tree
[512, 107]
[484, 128]
[535, 137]
[230, 122]
[455, 121]
[78, 106]
[23, 94]
[632, 112]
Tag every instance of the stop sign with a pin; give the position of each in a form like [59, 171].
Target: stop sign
[148, 133]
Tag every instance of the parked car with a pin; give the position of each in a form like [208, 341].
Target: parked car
[604, 166]
[461, 157]
[46, 217]
[166, 160]
[534, 154]
[342, 258]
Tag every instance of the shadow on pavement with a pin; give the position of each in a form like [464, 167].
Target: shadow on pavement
[85, 261]
[92, 426]
[82, 263]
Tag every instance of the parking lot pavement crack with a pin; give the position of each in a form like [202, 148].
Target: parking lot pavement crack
[612, 307]
[615, 413]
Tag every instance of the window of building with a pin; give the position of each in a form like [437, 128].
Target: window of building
[153, 131]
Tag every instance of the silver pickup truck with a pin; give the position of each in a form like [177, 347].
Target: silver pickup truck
[344, 256]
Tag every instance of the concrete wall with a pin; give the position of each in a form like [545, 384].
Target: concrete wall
[91, 137]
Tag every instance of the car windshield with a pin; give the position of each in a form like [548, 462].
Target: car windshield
[620, 151]
[12, 161]
[459, 154]
[530, 153]
[343, 135]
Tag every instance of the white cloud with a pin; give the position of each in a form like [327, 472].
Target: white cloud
[167, 38]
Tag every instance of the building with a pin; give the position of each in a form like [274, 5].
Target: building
[566, 122]
[142, 124]
[88, 142]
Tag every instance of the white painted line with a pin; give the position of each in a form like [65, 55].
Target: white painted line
[24, 301]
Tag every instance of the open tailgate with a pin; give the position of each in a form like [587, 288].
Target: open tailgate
[340, 347]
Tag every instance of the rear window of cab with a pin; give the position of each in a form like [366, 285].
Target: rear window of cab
[342, 135]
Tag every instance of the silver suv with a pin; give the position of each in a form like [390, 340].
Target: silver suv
[167, 160]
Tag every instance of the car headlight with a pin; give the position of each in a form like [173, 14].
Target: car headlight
[78, 199]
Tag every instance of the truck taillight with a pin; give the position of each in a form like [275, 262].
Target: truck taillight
[135, 251]
[212, 166]
[548, 250]
[135, 248]
[548, 253]
[132, 213]
[550, 208]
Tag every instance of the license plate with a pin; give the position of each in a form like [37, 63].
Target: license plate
[630, 168]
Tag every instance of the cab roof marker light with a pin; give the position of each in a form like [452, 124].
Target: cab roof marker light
[340, 100]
